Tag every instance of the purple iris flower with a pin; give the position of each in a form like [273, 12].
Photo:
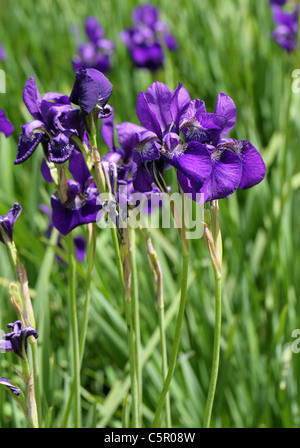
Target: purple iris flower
[82, 206]
[16, 340]
[55, 121]
[2, 53]
[91, 90]
[7, 223]
[145, 40]
[286, 31]
[97, 52]
[14, 389]
[158, 145]
[79, 240]
[235, 163]
[5, 125]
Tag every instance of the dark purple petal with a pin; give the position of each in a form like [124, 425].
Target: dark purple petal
[91, 89]
[80, 247]
[129, 134]
[107, 131]
[16, 340]
[147, 56]
[7, 222]
[170, 42]
[66, 217]
[14, 389]
[142, 181]
[78, 169]
[225, 106]
[147, 118]
[57, 98]
[31, 98]
[204, 128]
[94, 30]
[45, 170]
[225, 175]
[179, 105]
[193, 160]
[158, 97]
[5, 125]
[253, 166]
[26, 146]
[60, 148]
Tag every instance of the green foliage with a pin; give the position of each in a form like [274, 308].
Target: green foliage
[223, 46]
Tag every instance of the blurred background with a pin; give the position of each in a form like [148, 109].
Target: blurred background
[222, 47]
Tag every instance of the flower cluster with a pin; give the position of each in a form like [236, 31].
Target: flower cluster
[286, 30]
[96, 53]
[147, 38]
[178, 132]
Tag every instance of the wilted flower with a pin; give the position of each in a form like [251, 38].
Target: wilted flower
[146, 39]
[5, 125]
[97, 52]
[14, 389]
[55, 121]
[16, 340]
[7, 223]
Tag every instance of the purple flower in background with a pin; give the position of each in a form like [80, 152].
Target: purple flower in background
[2, 53]
[97, 52]
[6, 127]
[277, 2]
[55, 121]
[14, 389]
[7, 223]
[146, 39]
[82, 206]
[91, 89]
[16, 340]
[286, 31]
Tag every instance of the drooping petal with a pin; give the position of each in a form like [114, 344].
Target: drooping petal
[16, 340]
[66, 217]
[80, 247]
[60, 148]
[45, 170]
[204, 127]
[225, 175]
[253, 166]
[31, 98]
[7, 223]
[14, 389]
[26, 146]
[193, 160]
[5, 125]
[225, 106]
[78, 169]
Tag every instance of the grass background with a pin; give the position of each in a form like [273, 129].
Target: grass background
[223, 46]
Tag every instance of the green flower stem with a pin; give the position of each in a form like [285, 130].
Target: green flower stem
[158, 280]
[136, 318]
[74, 328]
[216, 354]
[174, 353]
[130, 328]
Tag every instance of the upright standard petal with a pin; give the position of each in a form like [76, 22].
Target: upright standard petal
[91, 89]
[94, 30]
[225, 106]
[31, 98]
